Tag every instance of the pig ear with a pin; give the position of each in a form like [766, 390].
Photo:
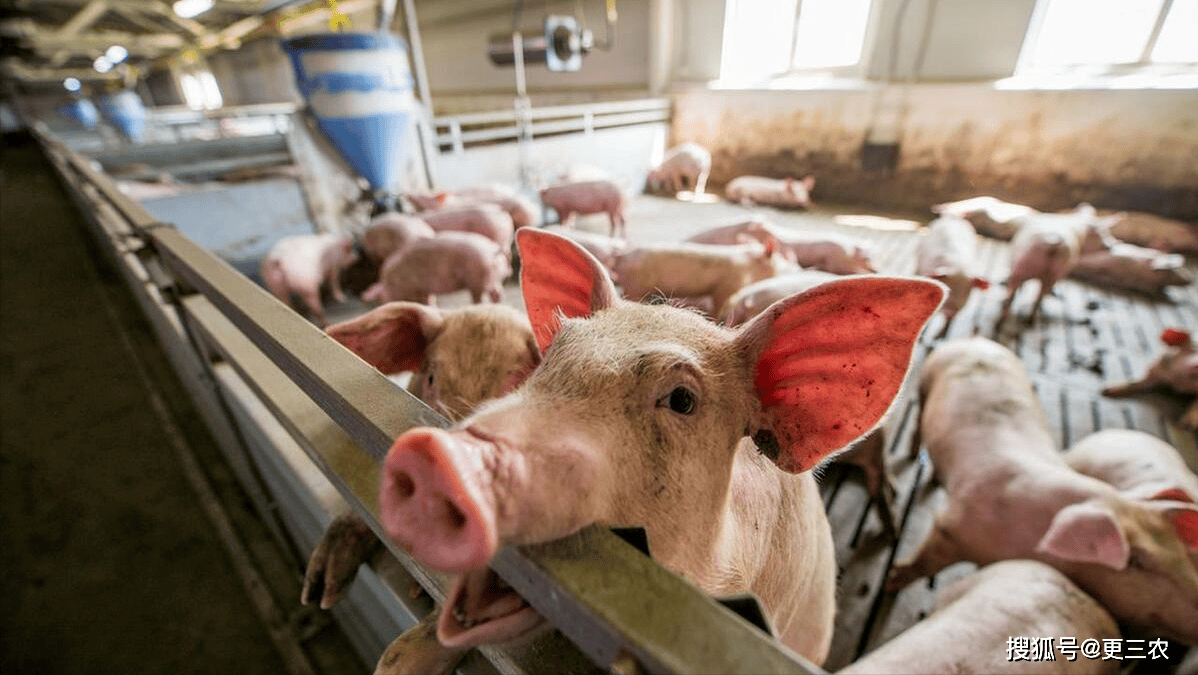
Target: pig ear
[980, 283]
[827, 362]
[1185, 521]
[1088, 533]
[809, 183]
[1175, 337]
[392, 337]
[559, 279]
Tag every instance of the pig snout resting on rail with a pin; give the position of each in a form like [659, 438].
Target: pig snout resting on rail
[520, 208]
[1011, 495]
[390, 232]
[946, 253]
[694, 271]
[685, 166]
[448, 262]
[989, 216]
[785, 192]
[300, 264]
[1176, 368]
[650, 412]
[459, 358]
[976, 616]
[585, 198]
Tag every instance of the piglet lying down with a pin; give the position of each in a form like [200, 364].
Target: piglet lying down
[654, 416]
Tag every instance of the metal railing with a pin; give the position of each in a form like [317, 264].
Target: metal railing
[344, 414]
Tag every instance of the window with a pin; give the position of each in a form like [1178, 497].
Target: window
[764, 38]
[200, 90]
[1066, 33]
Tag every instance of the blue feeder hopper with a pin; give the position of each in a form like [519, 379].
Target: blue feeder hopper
[359, 87]
[126, 112]
[81, 111]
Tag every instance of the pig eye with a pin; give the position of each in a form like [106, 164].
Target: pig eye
[681, 400]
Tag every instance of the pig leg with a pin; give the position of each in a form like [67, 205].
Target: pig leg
[347, 543]
[937, 552]
[870, 456]
[1012, 288]
[1130, 388]
[701, 183]
[276, 281]
[333, 278]
[1045, 289]
[617, 225]
[311, 298]
[417, 652]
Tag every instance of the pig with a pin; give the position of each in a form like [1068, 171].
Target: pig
[448, 262]
[754, 229]
[519, 207]
[300, 264]
[1133, 461]
[1106, 261]
[1011, 495]
[390, 232]
[459, 358]
[684, 166]
[787, 192]
[587, 197]
[822, 252]
[946, 253]
[1146, 229]
[487, 220]
[752, 299]
[605, 249]
[1045, 248]
[1176, 368]
[989, 216]
[975, 617]
[663, 419]
[694, 271]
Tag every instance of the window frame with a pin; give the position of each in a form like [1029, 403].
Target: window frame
[1025, 65]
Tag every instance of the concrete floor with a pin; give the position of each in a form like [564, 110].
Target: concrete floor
[107, 561]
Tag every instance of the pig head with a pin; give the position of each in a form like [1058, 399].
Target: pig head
[642, 415]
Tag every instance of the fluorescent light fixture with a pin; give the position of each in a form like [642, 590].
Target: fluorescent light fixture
[102, 64]
[116, 54]
[192, 8]
[71, 84]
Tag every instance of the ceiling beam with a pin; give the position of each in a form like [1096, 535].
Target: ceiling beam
[241, 6]
[18, 70]
[87, 16]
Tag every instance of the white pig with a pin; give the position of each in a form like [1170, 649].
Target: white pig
[976, 616]
[822, 252]
[448, 262]
[585, 198]
[684, 166]
[301, 263]
[946, 253]
[519, 207]
[1153, 231]
[487, 220]
[389, 232]
[1134, 461]
[1011, 495]
[1176, 368]
[785, 192]
[653, 408]
[752, 299]
[605, 249]
[754, 229]
[694, 271]
[989, 216]
[1111, 263]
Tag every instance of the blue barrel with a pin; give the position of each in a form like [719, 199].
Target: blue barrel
[82, 111]
[359, 87]
[126, 112]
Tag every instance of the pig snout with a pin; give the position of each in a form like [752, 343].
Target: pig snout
[431, 502]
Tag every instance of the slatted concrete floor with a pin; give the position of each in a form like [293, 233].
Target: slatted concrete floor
[1086, 338]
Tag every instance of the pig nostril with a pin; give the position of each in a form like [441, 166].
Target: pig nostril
[405, 486]
[457, 519]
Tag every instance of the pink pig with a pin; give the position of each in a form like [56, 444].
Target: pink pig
[587, 197]
[390, 232]
[684, 166]
[1134, 461]
[605, 249]
[520, 208]
[1011, 495]
[821, 252]
[946, 253]
[752, 299]
[976, 616]
[787, 192]
[1108, 262]
[694, 271]
[301, 263]
[448, 262]
[1176, 368]
[652, 411]
[487, 220]
[754, 229]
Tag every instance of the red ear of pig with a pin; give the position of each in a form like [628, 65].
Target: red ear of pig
[1087, 533]
[980, 283]
[828, 362]
[559, 279]
[391, 337]
[1174, 337]
[1182, 513]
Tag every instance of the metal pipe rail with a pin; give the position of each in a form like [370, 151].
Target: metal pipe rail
[505, 125]
[592, 586]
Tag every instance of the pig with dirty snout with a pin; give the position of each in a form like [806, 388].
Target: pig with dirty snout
[976, 617]
[1012, 495]
[300, 264]
[658, 417]
[946, 253]
[459, 358]
[1176, 368]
